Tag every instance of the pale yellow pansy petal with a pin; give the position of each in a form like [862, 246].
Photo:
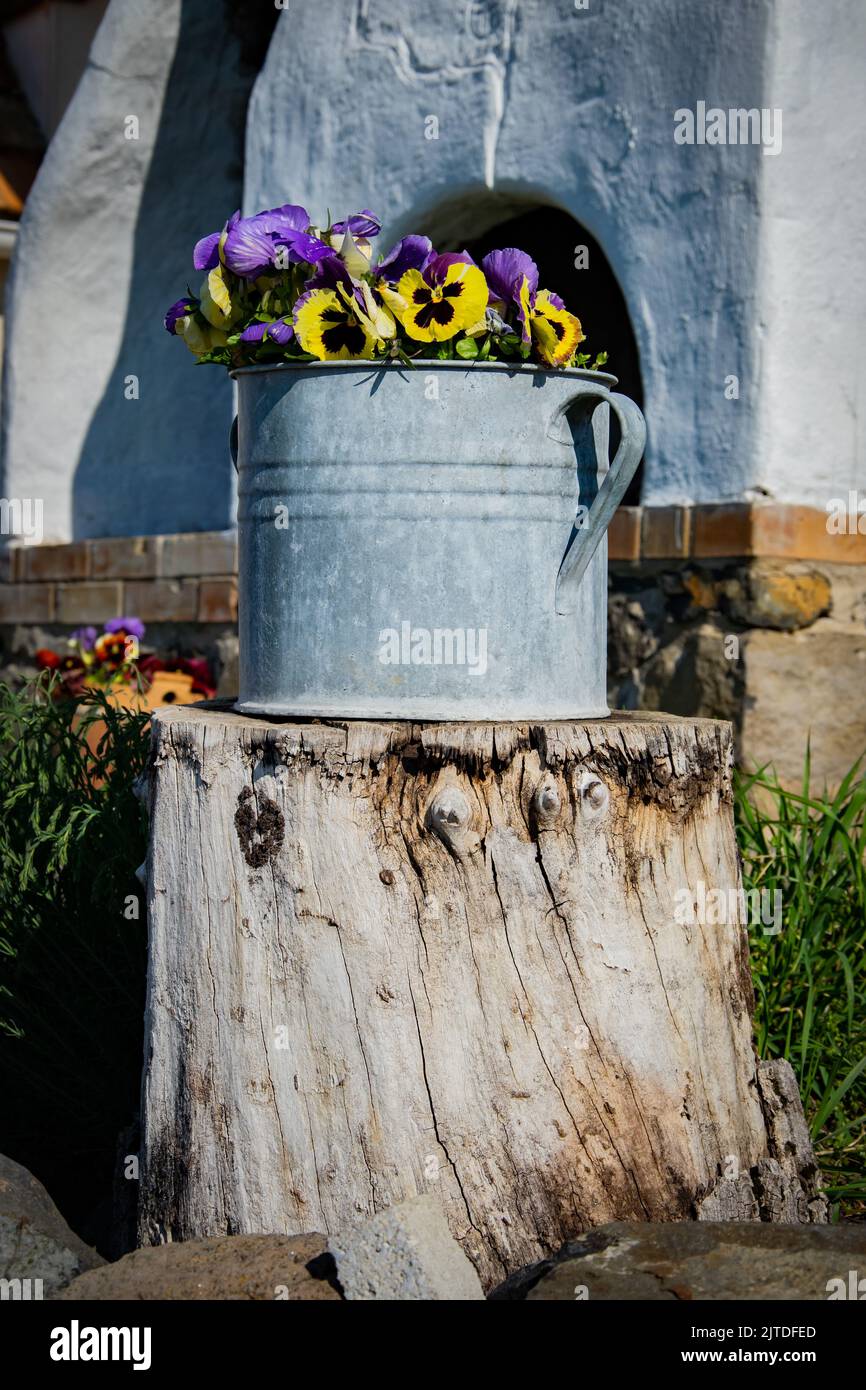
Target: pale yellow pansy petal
[352, 255]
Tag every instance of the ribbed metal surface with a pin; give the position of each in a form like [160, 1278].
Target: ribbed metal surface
[401, 533]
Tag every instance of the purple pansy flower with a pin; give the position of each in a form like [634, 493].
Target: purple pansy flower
[206, 252]
[249, 247]
[252, 244]
[133, 626]
[412, 253]
[301, 246]
[179, 310]
[280, 331]
[505, 272]
[85, 637]
[363, 224]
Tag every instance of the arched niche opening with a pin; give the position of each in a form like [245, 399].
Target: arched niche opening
[570, 261]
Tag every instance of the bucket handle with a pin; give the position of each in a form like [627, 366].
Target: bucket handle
[590, 529]
[233, 442]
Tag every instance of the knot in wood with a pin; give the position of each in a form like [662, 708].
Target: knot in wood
[547, 803]
[449, 814]
[594, 796]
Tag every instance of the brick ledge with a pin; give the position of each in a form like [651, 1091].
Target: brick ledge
[193, 577]
[731, 530]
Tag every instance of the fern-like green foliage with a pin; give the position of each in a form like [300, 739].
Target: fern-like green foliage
[72, 936]
[810, 979]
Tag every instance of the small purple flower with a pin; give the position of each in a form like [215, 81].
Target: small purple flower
[504, 271]
[512, 279]
[412, 253]
[206, 252]
[329, 273]
[249, 248]
[134, 627]
[252, 243]
[85, 637]
[303, 247]
[179, 310]
[363, 224]
[205, 255]
[280, 331]
[254, 333]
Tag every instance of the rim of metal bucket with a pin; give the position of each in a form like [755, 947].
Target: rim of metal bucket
[373, 364]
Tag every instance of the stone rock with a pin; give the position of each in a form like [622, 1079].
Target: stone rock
[631, 1260]
[784, 597]
[702, 590]
[227, 658]
[405, 1252]
[634, 622]
[693, 675]
[808, 684]
[35, 1241]
[263, 1268]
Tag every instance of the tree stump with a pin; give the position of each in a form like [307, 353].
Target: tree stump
[389, 958]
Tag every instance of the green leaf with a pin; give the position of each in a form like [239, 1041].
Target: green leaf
[466, 347]
[221, 356]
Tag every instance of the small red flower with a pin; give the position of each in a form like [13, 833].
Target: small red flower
[47, 659]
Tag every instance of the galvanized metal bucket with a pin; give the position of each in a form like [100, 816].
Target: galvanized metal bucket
[426, 542]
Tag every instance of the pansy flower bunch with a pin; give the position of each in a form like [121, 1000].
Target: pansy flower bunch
[277, 288]
[114, 657]
[96, 658]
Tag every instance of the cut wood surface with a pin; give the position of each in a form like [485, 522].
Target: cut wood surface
[389, 958]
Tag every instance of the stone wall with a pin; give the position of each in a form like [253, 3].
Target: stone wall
[184, 588]
[776, 646]
[755, 614]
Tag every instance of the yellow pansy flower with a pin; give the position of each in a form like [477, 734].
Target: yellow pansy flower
[445, 298]
[331, 329]
[555, 331]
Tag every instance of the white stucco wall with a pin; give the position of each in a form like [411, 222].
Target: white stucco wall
[811, 435]
[105, 246]
[541, 101]
[732, 262]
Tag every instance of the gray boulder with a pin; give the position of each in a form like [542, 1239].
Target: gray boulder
[39, 1254]
[404, 1253]
[699, 1260]
[237, 1268]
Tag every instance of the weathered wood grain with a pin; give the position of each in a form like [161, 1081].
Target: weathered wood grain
[389, 958]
